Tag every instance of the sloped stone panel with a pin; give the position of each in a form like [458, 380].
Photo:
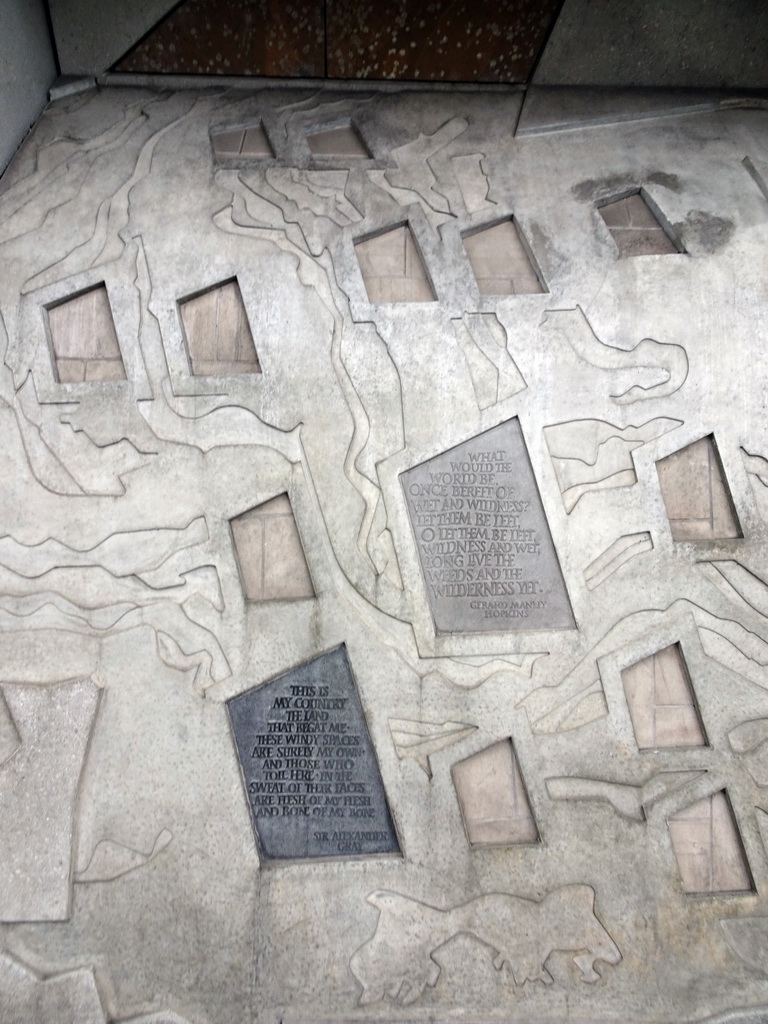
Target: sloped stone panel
[269, 553]
[483, 539]
[696, 495]
[492, 797]
[392, 268]
[661, 702]
[308, 765]
[337, 143]
[635, 228]
[500, 262]
[218, 335]
[83, 339]
[708, 847]
[250, 141]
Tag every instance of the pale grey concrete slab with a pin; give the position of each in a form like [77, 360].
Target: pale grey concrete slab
[688, 43]
[555, 108]
[27, 69]
[91, 36]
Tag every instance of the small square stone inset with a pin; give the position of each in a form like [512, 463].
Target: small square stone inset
[392, 268]
[338, 144]
[269, 553]
[218, 335]
[249, 142]
[696, 495]
[661, 704]
[83, 339]
[708, 847]
[500, 263]
[635, 228]
[492, 797]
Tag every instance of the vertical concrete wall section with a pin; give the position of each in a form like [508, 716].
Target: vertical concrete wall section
[27, 70]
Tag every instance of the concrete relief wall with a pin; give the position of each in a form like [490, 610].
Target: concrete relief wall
[383, 579]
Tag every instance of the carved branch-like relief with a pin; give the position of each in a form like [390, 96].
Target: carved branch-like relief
[420, 740]
[651, 359]
[591, 455]
[483, 340]
[617, 554]
[54, 724]
[627, 800]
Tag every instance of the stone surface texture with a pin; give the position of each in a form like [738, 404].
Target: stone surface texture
[152, 527]
[27, 70]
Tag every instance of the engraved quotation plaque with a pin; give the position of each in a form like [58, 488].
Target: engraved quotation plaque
[310, 772]
[483, 539]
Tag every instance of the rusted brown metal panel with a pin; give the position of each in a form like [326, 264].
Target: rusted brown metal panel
[235, 37]
[443, 40]
[406, 40]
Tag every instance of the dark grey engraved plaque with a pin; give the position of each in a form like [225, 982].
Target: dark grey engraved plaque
[310, 772]
[483, 539]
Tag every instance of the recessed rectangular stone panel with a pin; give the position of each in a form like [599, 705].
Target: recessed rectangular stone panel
[661, 704]
[83, 338]
[269, 553]
[483, 540]
[338, 144]
[217, 332]
[492, 796]
[635, 228]
[695, 494]
[708, 847]
[310, 773]
[251, 142]
[392, 268]
[500, 262]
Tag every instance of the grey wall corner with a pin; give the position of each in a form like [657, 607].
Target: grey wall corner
[27, 70]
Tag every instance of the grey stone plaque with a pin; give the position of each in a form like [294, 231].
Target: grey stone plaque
[309, 769]
[483, 539]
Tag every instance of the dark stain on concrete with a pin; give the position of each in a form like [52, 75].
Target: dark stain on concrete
[668, 181]
[704, 232]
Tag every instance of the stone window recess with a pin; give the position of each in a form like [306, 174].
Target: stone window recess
[392, 268]
[83, 339]
[500, 261]
[493, 799]
[217, 333]
[338, 144]
[661, 701]
[708, 848]
[695, 494]
[251, 141]
[636, 229]
[269, 553]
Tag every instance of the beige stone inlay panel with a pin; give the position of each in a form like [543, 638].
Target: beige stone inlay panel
[269, 553]
[392, 268]
[492, 797]
[250, 141]
[500, 263]
[219, 339]
[83, 339]
[338, 143]
[695, 494]
[661, 701]
[635, 229]
[708, 847]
